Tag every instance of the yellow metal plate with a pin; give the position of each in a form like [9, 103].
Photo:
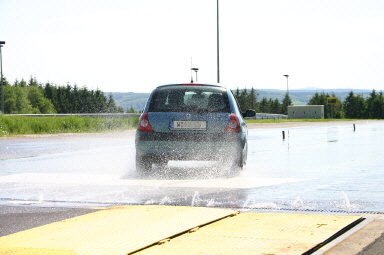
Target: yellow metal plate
[117, 230]
[32, 251]
[256, 233]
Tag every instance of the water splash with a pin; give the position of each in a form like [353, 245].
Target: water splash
[211, 203]
[195, 196]
[298, 203]
[41, 197]
[247, 201]
[165, 200]
[347, 203]
[149, 202]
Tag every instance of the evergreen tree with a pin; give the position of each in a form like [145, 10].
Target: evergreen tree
[252, 99]
[131, 110]
[22, 83]
[50, 92]
[276, 106]
[375, 104]
[237, 94]
[32, 82]
[354, 106]
[286, 102]
[75, 99]
[243, 100]
[111, 106]
[264, 106]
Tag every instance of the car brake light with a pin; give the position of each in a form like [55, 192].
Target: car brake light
[144, 124]
[233, 124]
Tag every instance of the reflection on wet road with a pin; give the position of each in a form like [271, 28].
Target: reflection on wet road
[328, 168]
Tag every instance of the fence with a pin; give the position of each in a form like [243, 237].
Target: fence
[91, 115]
[258, 116]
[262, 116]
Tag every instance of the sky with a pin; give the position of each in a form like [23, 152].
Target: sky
[136, 45]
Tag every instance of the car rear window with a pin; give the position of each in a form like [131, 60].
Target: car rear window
[189, 99]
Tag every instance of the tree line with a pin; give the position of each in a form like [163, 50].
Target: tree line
[248, 100]
[23, 97]
[33, 97]
[353, 107]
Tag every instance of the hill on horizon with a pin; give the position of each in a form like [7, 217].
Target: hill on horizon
[298, 96]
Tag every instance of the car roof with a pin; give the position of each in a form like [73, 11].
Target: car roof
[190, 84]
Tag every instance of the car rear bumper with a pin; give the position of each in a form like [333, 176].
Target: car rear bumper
[188, 146]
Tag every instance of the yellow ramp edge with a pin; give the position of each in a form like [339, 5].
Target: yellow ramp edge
[256, 233]
[117, 230]
[32, 251]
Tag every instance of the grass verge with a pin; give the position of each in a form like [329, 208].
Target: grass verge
[293, 120]
[19, 125]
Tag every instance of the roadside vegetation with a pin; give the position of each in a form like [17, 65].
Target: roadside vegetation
[353, 107]
[248, 121]
[23, 97]
[33, 97]
[20, 125]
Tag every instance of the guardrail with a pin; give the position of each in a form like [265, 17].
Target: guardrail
[258, 116]
[91, 115]
[262, 116]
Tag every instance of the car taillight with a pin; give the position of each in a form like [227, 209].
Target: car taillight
[144, 124]
[233, 124]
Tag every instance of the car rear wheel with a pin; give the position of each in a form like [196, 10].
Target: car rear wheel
[143, 165]
[240, 160]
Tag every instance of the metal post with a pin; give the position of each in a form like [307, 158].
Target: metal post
[196, 70]
[218, 55]
[1, 71]
[286, 76]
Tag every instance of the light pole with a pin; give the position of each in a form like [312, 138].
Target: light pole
[196, 70]
[1, 71]
[218, 55]
[286, 76]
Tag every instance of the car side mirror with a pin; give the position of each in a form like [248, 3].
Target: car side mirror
[249, 114]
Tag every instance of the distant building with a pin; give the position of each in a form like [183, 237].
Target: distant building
[306, 112]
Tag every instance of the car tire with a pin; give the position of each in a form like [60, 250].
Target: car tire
[240, 160]
[143, 165]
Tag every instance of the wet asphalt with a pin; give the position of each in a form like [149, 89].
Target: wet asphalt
[14, 219]
[324, 169]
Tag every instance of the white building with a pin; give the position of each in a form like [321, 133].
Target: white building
[306, 112]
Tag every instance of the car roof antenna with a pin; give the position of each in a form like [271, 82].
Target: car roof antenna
[191, 72]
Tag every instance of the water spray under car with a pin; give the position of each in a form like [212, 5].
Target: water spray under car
[191, 122]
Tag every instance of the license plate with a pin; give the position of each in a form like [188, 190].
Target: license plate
[188, 125]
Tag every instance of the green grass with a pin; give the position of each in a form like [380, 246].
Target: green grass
[18, 125]
[294, 120]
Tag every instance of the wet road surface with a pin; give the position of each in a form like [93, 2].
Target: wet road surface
[326, 168]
